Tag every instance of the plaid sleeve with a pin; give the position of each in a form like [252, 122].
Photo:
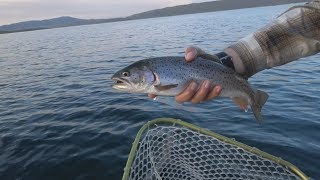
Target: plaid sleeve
[294, 34]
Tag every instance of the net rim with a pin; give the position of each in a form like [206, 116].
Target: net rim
[198, 129]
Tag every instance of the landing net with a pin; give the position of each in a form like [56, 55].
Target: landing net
[169, 149]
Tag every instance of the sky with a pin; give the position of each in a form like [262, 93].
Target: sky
[12, 11]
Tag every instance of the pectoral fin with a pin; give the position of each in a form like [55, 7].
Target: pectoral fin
[241, 102]
[165, 87]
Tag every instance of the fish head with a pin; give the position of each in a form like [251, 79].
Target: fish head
[137, 77]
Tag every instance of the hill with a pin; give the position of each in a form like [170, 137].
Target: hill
[210, 7]
[168, 11]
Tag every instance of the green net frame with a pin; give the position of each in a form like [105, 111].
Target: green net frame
[134, 163]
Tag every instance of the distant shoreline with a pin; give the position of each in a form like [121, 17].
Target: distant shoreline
[193, 8]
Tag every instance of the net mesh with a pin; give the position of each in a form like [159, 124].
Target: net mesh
[175, 152]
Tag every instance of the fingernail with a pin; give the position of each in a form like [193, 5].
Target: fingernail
[193, 86]
[189, 55]
[206, 84]
[218, 89]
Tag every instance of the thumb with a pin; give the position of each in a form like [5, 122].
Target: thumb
[192, 53]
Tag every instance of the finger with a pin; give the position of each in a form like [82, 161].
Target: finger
[152, 96]
[202, 92]
[215, 92]
[191, 54]
[188, 93]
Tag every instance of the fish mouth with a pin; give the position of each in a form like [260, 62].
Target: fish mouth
[120, 83]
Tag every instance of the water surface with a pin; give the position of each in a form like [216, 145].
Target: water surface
[60, 119]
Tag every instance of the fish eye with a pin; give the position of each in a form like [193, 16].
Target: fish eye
[125, 74]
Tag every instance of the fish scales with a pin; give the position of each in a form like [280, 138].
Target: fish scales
[197, 71]
[170, 75]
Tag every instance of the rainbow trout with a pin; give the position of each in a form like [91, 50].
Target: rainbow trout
[168, 76]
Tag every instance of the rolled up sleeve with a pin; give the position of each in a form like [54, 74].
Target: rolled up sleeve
[294, 34]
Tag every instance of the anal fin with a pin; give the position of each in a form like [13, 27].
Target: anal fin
[241, 102]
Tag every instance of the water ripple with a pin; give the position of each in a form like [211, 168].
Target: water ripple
[60, 119]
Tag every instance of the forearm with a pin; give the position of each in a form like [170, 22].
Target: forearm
[293, 35]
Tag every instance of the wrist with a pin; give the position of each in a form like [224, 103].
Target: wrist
[237, 62]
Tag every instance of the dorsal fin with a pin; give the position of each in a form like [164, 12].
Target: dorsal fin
[209, 57]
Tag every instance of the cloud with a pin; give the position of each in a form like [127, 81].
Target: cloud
[21, 10]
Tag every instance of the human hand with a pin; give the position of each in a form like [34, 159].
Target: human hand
[194, 92]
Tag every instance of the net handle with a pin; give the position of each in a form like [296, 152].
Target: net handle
[253, 150]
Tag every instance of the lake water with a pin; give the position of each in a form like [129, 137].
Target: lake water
[60, 118]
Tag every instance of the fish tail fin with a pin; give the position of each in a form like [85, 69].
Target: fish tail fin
[260, 99]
